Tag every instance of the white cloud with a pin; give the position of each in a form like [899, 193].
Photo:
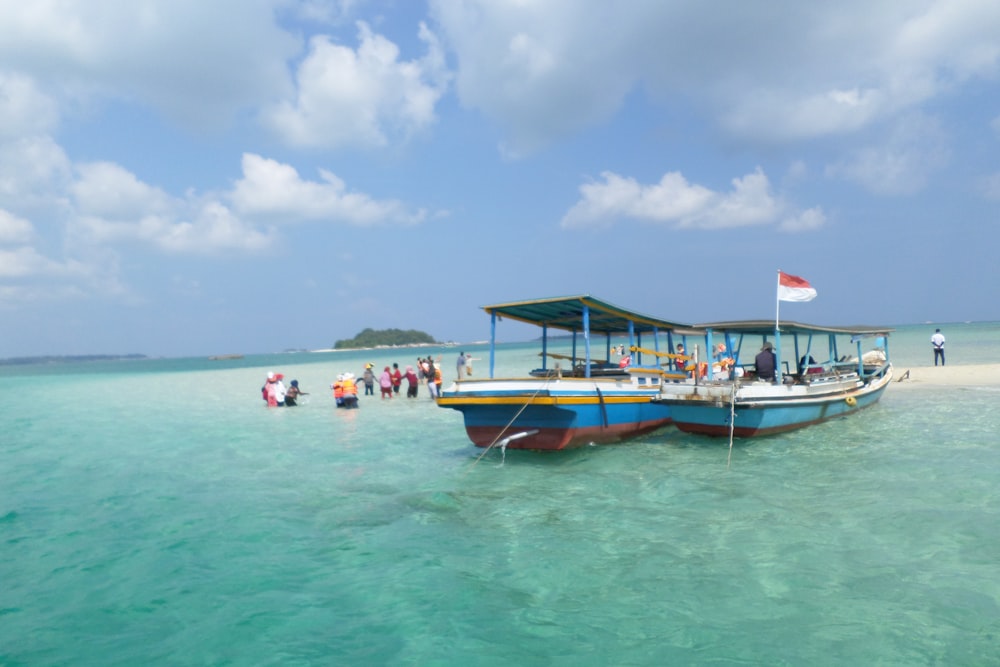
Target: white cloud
[990, 186]
[676, 202]
[270, 190]
[24, 109]
[21, 262]
[777, 72]
[902, 163]
[195, 61]
[107, 190]
[331, 12]
[363, 97]
[111, 205]
[803, 221]
[14, 229]
[541, 70]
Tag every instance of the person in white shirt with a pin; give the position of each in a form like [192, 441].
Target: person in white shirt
[937, 340]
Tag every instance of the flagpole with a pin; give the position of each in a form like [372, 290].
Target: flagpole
[777, 300]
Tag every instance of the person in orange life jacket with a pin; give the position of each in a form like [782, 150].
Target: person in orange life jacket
[338, 390]
[350, 391]
[397, 379]
[413, 382]
[385, 383]
[438, 379]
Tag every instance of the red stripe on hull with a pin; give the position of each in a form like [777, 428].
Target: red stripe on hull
[562, 438]
[707, 429]
[744, 432]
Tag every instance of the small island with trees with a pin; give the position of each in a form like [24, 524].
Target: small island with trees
[385, 338]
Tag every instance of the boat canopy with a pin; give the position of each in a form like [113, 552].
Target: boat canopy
[570, 313]
[766, 327]
[581, 314]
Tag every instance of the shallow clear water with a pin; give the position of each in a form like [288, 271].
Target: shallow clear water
[157, 512]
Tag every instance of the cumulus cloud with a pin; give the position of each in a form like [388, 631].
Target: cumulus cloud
[902, 162]
[774, 73]
[199, 62]
[275, 191]
[541, 70]
[675, 202]
[24, 109]
[26, 261]
[14, 229]
[989, 186]
[111, 204]
[364, 97]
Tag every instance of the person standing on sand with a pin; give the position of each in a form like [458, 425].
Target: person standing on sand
[937, 340]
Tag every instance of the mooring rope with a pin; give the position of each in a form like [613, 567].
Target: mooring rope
[732, 422]
[512, 420]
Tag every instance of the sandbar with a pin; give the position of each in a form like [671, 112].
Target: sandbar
[967, 375]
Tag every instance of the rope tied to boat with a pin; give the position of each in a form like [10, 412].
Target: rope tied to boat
[505, 441]
[732, 422]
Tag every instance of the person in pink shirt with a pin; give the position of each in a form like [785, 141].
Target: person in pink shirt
[385, 382]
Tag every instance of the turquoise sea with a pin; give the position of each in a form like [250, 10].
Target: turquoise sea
[155, 512]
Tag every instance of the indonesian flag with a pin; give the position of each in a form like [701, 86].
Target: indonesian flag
[793, 288]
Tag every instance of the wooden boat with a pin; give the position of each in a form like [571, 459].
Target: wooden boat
[728, 399]
[578, 399]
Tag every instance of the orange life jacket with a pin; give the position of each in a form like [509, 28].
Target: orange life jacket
[338, 389]
[349, 388]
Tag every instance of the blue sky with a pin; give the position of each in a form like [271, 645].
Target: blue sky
[184, 178]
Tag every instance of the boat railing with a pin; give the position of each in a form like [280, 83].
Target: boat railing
[873, 372]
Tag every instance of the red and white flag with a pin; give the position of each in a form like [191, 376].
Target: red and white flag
[793, 288]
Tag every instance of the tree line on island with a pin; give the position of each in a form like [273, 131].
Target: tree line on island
[385, 338]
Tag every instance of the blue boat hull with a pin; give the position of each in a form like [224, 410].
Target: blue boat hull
[563, 425]
[757, 418]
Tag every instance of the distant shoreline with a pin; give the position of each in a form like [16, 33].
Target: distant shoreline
[68, 359]
[397, 347]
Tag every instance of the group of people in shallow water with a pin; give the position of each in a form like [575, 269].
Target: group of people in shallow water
[277, 395]
[345, 388]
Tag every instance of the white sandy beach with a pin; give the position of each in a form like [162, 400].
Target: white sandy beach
[978, 375]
